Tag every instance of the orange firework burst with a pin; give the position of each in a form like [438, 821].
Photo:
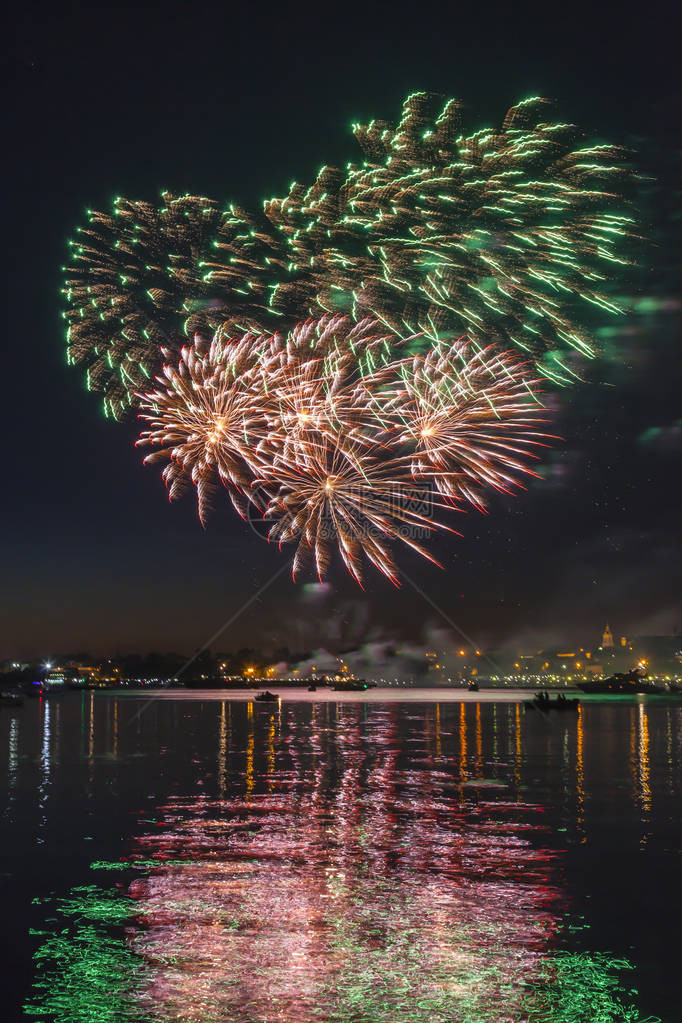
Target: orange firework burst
[336, 494]
[471, 416]
[205, 419]
[313, 380]
[340, 444]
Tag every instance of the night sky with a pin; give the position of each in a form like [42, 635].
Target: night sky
[234, 105]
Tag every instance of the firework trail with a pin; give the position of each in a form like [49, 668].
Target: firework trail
[232, 405]
[204, 419]
[323, 380]
[336, 495]
[508, 235]
[302, 357]
[336, 444]
[471, 417]
[131, 282]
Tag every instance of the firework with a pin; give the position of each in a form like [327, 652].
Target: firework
[231, 406]
[336, 442]
[309, 363]
[135, 287]
[322, 382]
[508, 235]
[131, 275]
[335, 495]
[205, 419]
[471, 418]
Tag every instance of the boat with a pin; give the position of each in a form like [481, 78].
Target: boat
[50, 685]
[352, 685]
[266, 697]
[547, 704]
[632, 682]
[241, 682]
[54, 682]
[11, 698]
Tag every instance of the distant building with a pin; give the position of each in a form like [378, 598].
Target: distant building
[607, 638]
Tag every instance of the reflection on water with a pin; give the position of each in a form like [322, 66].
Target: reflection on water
[580, 774]
[342, 862]
[643, 761]
[360, 885]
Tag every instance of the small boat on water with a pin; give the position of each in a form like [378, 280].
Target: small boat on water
[51, 684]
[266, 697]
[544, 704]
[11, 698]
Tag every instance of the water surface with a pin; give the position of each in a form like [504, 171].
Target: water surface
[203, 858]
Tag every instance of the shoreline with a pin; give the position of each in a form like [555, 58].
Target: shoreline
[380, 694]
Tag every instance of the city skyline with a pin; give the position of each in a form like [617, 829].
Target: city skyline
[444, 659]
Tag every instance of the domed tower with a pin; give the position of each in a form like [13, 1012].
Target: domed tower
[607, 639]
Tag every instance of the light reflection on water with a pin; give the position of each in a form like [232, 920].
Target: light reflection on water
[343, 862]
[357, 886]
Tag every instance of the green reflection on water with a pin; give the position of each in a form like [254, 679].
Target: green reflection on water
[136, 864]
[575, 987]
[86, 971]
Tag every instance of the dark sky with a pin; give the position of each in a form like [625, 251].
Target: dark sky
[234, 103]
